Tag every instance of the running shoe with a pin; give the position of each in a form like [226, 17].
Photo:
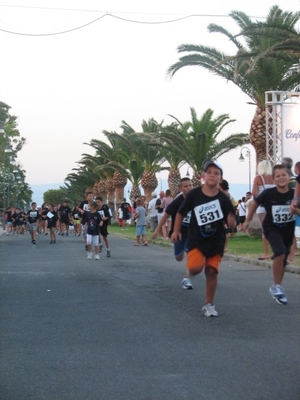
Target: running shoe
[89, 256]
[108, 253]
[100, 247]
[97, 257]
[276, 292]
[186, 284]
[33, 242]
[209, 310]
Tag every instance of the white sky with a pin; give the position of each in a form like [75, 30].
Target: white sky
[67, 88]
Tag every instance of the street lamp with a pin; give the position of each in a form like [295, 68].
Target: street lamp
[242, 159]
[187, 171]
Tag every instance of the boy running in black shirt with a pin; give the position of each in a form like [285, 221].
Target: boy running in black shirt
[171, 210]
[93, 222]
[210, 208]
[33, 217]
[105, 216]
[52, 218]
[278, 225]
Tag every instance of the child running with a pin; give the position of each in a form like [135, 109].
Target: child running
[278, 225]
[33, 218]
[171, 210]
[210, 210]
[52, 217]
[93, 222]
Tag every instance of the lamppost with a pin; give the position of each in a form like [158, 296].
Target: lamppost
[187, 171]
[242, 159]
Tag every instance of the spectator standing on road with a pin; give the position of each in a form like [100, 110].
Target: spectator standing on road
[152, 212]
[278, 225]
[140, 218]
[33, 217]
[210, 210]
[180, 247]
[263, 180]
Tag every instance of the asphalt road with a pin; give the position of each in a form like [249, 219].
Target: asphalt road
[122, 327]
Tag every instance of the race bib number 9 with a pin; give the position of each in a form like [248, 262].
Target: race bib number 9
[281, 214]
[208, 213]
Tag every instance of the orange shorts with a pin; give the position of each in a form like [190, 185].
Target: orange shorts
[197, 260]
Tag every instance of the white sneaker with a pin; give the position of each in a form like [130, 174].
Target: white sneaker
[89, 256]
[186, 284]
[209, 310]
[97, 257]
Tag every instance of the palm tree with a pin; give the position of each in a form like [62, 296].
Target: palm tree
[254, 75]
[196, 140]
[173, 158]
[144, 147]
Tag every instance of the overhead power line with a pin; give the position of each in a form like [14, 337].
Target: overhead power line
[106, 14]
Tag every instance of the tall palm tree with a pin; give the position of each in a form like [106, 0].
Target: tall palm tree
[150, 157]
[173, 158]
[252, 74]
[196, 140]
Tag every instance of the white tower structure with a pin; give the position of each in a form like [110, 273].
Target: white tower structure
[283, 125]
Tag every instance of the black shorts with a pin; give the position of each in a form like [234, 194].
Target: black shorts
[103, 230]
[65, 220]
[280, 239]
[242, 219]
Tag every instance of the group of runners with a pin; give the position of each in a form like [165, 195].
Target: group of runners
[199, 217]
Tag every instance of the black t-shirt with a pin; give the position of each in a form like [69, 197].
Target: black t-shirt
[85, 207]
[51, 219]
[277, 207]
[93, 220]
[104, 213]
[64, 211]
[16, 218]
[8, 216]
[158, 203]
[125, 207]
[172, 210]
[33, 216]
[206, 230]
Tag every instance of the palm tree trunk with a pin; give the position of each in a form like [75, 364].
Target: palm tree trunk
[258, 134]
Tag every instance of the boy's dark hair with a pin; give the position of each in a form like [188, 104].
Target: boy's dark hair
[100, 198]
[185, 179]
[33, 203]
[88, 191]
[278, 166]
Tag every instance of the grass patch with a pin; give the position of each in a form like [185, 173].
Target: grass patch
[241, 244]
